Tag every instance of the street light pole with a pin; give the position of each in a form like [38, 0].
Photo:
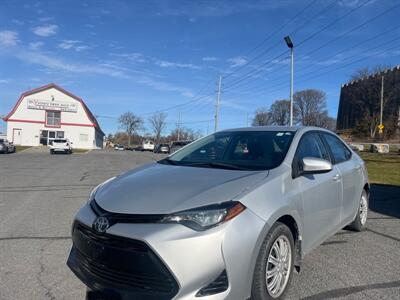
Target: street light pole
[289, 43]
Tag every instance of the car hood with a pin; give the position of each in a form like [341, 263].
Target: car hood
[163, 189]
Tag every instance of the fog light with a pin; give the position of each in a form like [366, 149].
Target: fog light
[219, 285]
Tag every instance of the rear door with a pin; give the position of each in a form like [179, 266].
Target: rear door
[350, 170]
[321, 193]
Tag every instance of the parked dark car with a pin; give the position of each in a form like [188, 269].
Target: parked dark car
[6, 146]
[161, 148]
[175, 146]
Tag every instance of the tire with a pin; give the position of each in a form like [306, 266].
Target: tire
[360, 222]
[260, 291]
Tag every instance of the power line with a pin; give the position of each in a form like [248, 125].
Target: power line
[251, 73]
[333, 22]
[352, 46]
[348, 32]
[267, 38]
[354, 29]
[313, 75]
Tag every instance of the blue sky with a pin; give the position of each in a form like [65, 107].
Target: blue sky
[147, 55]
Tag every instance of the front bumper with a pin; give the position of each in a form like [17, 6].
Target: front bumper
[187, 259]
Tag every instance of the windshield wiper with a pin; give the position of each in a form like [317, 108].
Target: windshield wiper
[216, 165]
[168, 161]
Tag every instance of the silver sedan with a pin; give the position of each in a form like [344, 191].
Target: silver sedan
[229, 216]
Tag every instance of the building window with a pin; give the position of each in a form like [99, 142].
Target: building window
[83, 137]
[53, 118]
[60, 134]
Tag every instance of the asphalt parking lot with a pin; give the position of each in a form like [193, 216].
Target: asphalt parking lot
[39, 195]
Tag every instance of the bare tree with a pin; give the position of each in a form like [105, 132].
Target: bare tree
[325, 121]
[185, 134]
[130, 123]
[366, 71]
[309, 105]
[157, 124]
[280, 112]
[262, 117]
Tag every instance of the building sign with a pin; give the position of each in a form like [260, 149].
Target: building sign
[52, 105]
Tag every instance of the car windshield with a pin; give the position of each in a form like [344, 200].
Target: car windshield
[240, 150]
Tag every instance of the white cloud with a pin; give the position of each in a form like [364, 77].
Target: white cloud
[8, 38]
[55, 64]
[133, 56]
[46, 19]
[354, 3]
[45, 30]
[18, 22]
[209, 58]
[73, 45]
[169, 64]
[35, 45]
[237, 61]
[4, 81]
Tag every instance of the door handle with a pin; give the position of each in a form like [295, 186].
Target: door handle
[358, 168]
[336, 177]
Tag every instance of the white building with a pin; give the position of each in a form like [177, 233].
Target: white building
[49, 112]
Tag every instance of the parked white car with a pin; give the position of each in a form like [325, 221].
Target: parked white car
[61, 145]
[148, 146]
[6, 146]
[119, 147]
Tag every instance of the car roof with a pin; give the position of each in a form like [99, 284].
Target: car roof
[277, 128]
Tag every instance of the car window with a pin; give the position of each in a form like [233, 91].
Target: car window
[311, 146]
[339, 150]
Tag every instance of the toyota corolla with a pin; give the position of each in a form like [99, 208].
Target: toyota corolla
[229, 216]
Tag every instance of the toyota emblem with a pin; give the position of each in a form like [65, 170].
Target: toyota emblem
[101, 224]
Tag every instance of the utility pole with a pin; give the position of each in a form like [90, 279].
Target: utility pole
[291, 84]
[217, 103]
[382, 99]
[179, 125]
[381, 126]
[289, 43]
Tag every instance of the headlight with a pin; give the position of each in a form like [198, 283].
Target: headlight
[94, 191]
[205, 217]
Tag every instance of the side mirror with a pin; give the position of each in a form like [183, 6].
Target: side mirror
[312, 165]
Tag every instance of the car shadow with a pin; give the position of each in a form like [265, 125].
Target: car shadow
[385, 199]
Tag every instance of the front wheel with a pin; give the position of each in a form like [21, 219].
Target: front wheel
[360, 222]
[274, 265]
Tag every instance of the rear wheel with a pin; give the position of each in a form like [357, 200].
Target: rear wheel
[274, 265]
[360, 222]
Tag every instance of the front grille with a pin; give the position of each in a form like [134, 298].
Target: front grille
[114, 218]
[122, 263]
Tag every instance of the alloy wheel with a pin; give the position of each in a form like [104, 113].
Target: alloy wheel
[363, 209]
[278, 266]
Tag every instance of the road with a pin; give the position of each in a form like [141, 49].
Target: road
[39, 195]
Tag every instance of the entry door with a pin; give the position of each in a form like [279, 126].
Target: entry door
[52, 136]
[321, 194]
[17, 136]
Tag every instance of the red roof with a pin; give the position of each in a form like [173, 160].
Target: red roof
[55, 86]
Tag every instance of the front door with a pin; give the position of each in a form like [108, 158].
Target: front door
[350, 170]
[321, 194]
[17, 136]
